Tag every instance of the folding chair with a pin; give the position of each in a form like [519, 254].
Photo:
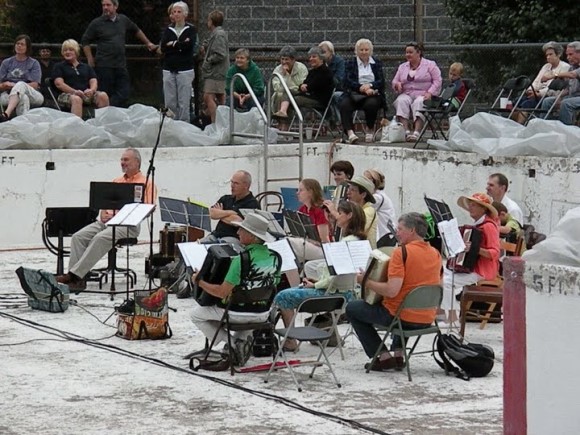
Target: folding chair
[313, 112]
[514, 90]
[421, 298]
[558, 86]
[261, 295]
[314, 306]
[264, 198]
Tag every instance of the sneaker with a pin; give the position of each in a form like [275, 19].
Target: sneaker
[353, 138]
[369, 138]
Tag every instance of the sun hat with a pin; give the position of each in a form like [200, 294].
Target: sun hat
[365, 184]
[257, 225]
[482, 199]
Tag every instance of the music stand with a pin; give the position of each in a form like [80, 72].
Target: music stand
[441, 212]
[114, 196]
[185, 213]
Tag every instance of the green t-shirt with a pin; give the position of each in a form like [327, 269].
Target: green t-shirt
[262, 267]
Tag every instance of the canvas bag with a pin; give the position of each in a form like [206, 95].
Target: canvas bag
[149, 318]
[394, 132]
[44, 293]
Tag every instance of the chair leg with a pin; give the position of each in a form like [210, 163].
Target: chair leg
[487, 315]
[404, 345]
[463, 307]
[323, 353]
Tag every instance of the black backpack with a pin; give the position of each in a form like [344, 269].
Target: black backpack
[466, 360]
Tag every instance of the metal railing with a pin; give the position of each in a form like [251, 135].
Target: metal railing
[258, 106]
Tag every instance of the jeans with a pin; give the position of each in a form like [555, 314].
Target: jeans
[115, 82]
[568, 107]
[363, 317]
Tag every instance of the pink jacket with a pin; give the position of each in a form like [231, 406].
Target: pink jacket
[427, 78]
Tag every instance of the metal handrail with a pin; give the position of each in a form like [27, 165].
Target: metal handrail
[284, 133]
[256, 103]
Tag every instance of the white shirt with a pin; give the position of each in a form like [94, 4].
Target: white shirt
[385, 213]
[365, 72]
[513, 209]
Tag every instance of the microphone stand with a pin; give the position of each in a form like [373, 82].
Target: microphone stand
[151, 172]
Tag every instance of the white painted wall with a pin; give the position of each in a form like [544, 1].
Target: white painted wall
[553, 352]
[203, 173]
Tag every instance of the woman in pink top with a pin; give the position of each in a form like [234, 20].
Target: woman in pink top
[415, 81]
[310, 195]
[484, 215]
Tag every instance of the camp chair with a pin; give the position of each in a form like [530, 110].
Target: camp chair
[264, 295]
[443, 110]
[316, 117]
[514, 90]
[88, 111]
[270, 198]
[314, 306]
[558, 86]
[489, 292]
[421, 298]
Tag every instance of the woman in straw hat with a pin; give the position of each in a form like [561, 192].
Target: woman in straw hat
[484, 215]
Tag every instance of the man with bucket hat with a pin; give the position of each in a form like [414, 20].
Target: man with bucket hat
[263, 270]
[484, 215]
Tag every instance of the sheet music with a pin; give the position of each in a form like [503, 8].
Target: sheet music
[283, 248]
[193, 254]
[360, 250]
[338, 257]
[449, 230]
[131, 215]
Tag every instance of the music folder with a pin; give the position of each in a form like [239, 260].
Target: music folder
[454, 241]
[131, 215]
[346, 257]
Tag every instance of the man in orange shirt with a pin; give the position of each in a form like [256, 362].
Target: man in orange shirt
[92, 242]
[414, 264]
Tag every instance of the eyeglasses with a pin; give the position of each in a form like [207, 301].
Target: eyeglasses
[76, 70]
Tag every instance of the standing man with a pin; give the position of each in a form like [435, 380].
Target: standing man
[109, 32]
[216, 62]
[91, 243]
[227, 209]
[497, 187]
[77, 81]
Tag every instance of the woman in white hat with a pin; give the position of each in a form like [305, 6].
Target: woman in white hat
[484, 215]
[265, 270]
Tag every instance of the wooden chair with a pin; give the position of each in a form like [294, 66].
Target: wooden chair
[486, 291]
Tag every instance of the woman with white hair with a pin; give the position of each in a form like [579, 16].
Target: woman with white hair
[334, 62]
[20, 77]
[364, 86]
[178, 45]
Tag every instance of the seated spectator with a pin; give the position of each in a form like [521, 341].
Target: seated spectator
[363, 87]
[294, 73]
[414, 264]
[76, 81]
[351, 219]
[334, 62]
[570, 103]
[416, 81]
[459, 90]
[46, 66]
[316, 89]
[248, 68]
[553, 52]
[20, 77]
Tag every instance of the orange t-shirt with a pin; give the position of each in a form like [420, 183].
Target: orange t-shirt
[422, 267]
[150, 190]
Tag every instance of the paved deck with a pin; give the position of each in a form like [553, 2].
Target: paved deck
[53, 385]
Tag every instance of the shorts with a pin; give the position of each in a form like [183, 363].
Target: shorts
[64, 99]
[214, 86]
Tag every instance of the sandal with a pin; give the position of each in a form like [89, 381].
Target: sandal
[4, 117]
[289, 349]
[280, 114]
[412, 137]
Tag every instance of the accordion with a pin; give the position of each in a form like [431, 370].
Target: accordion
[377, 266]
[214, 270]
[466, 261]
